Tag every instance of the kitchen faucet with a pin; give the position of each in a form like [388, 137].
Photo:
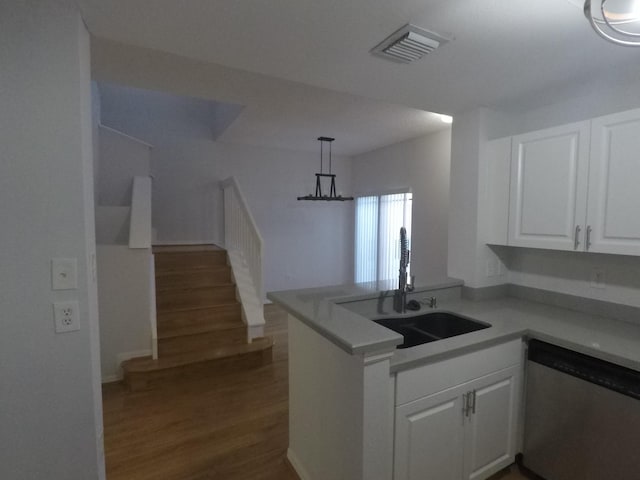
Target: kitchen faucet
[400, 295]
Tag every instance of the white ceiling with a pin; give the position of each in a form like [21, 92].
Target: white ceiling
[502, 51]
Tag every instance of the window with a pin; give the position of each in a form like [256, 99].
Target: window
[378, 222]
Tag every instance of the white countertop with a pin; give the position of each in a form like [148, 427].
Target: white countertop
[601, 337]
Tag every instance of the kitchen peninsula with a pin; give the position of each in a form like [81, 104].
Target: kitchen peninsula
[362, 409]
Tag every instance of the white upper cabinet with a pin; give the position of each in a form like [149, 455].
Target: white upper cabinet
[576, 187]
[613, 221]
[548, 196]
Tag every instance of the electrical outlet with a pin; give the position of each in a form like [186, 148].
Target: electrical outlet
[66, 316]
[597, 278]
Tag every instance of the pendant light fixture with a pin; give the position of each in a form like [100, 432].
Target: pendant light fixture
[332, 190]
[617, 21]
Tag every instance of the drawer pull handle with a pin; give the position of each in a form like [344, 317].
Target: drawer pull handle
[473, 402]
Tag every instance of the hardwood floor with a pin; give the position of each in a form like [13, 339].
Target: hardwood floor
[512, 473]
[228, 427]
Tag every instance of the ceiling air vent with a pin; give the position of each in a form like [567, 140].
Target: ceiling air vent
[408, 44]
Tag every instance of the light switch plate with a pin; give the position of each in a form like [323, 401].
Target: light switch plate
[64, 273]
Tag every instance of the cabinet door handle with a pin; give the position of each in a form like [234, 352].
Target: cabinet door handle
[473, 402]
[588, 239]
[465, 404]
[576, 237]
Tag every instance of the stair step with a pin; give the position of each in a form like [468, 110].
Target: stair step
[165, 332]
[143, 372]
[204, 247]
[201, 340]
[224, 316]
[185, 261]
[215, 275]
[178, 299]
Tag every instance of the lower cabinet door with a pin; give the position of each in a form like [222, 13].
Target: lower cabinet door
[490, 437]
[429, 437]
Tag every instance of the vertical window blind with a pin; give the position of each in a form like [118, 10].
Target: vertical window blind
[377, 242]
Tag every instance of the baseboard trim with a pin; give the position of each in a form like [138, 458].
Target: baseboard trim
[165, 243]
[296, 465]
[111, 379]
[121, 357]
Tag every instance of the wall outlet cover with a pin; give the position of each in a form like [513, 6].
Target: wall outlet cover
[66, 316]
[597, 278]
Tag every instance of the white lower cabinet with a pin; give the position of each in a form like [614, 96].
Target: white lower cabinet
[490, 429]
[430, 437]
[467, 431]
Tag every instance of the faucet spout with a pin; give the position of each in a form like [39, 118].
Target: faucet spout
[400, 295]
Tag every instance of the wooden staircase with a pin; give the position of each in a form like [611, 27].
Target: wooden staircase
[200, 327]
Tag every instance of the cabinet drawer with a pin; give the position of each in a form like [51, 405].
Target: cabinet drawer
[432, 378]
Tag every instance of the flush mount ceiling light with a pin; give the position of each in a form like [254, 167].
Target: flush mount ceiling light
[617, 21]
[408, 44]
[332, 189]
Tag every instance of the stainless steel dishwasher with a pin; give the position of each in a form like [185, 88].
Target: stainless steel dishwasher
[582, 419]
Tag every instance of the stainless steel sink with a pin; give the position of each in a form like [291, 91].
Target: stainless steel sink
[430, 327]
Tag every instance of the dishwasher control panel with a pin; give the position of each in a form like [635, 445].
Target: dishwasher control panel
[599, 372]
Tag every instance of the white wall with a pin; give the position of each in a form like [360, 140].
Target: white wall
[306, 243]
[463, 201]
[421, 164]
[469, 202]
[590, 98]
[112, 225]
[50, 403]
[570, 273]
[125, 331]
[121, 158]
[95, 136]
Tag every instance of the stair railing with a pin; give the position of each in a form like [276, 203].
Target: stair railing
[241, 232]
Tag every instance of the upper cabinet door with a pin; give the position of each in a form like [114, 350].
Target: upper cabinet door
[614, 184]
[548, 198]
